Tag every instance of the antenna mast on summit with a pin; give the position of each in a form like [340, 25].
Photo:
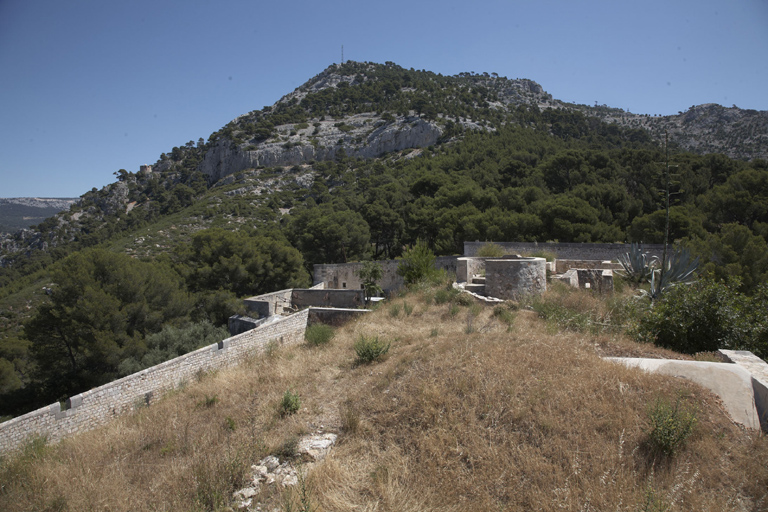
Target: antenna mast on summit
[342, 55]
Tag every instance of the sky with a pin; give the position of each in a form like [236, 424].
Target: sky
[88, 87]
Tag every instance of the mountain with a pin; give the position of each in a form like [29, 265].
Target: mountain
[22, 212]
[377, 120]
[366, 111]
[359, 163]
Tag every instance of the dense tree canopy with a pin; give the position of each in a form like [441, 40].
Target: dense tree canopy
[242, 263]
[101, 307]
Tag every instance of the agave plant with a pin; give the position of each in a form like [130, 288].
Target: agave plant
[638, 265]
[679, 269]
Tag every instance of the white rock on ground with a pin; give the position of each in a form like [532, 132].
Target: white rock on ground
[269, 470]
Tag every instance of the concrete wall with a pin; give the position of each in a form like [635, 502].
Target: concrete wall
[565, 250]
[99, 405]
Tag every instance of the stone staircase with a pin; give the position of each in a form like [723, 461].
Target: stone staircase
[476, 285]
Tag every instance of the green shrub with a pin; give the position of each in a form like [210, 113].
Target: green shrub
[706, 316]
[547, 255]
[670, 425]
[418, 264]
[394, 310]
[443, 296]
[407, 309]
[653, 502]
[463, 299]
[319, 334]
[504, 314]
[290, 403]
[490, 250]
[370, 274]
[371, 349]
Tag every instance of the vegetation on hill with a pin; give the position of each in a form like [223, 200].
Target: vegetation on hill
[472, 408]
[511, 164]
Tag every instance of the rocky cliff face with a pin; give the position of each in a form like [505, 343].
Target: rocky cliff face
[709, 128]
[361, 135]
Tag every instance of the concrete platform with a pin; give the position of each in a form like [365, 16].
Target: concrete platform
[732, 383]
[759, 371]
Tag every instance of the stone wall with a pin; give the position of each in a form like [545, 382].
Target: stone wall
[466, 268]
[99, 405]
[511, 278]
[269, 304]
[303, 298]
[344, 275]
[334, 316]
[565, 250]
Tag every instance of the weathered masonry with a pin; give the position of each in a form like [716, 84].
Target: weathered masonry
[99, 405]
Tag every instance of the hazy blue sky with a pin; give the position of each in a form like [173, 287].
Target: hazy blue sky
[88, 87]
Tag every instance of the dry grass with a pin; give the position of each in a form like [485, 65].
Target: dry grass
[528, 418]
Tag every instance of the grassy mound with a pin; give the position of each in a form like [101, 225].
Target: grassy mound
[496, 417]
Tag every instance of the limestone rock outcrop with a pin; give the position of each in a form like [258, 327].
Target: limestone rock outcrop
[361, 135]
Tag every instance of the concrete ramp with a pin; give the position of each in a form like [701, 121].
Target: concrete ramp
[731, 382]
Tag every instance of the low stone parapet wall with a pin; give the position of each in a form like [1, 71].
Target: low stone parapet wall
[99, 405]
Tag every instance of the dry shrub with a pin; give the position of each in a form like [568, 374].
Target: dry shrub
[526, 419]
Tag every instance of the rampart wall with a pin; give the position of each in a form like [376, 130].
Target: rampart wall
[99, 405]
[571, 251]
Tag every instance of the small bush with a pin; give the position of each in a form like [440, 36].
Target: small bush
[209, 401]
[547, 255]
[394, 310]
[290, 403]
[350, 419]
[670, 425]
[319, 334]
[652, 502]
[490, 250]
[504, 314]
[407, 309]
[443, 295]
[453, 310]
[371, 349]
[287, 449]
[418, 264]
[463, 299]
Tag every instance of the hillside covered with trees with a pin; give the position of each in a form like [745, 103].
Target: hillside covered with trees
[123, 277]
